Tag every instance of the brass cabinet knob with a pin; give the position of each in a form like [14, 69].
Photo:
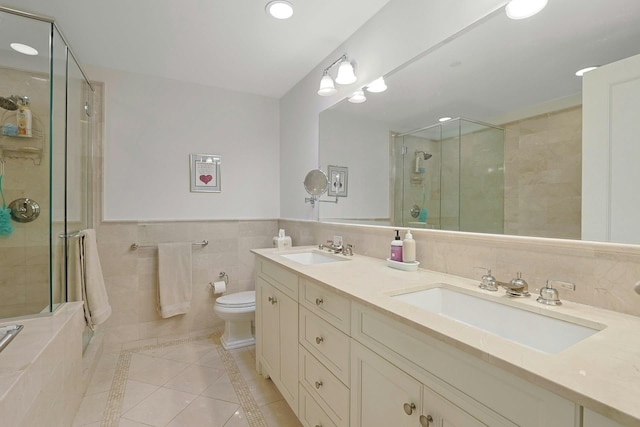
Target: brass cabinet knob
[273, 300]
[409, 408]
[319, 301]
[318, 384]
[426, 421]
[319, 340]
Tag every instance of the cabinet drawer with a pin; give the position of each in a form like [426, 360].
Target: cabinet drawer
[324, 387]
[326, 343]
[279, 277]
[327, 304]
[311, 414]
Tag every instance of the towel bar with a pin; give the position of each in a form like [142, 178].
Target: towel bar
[135, 246]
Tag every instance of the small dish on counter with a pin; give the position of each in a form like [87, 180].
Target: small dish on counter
[406, 266]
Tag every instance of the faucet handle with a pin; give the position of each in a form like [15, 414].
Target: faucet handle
[347, 249]
[549, 295]
[488, 282]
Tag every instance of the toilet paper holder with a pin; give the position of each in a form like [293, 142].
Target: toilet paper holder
[217, 287]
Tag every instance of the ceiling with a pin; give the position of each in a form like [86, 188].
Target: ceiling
[230, 44]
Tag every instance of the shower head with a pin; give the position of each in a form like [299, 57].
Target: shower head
[9, 103]
[426, 156]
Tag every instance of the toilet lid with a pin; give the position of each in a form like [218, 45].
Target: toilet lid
[238, 299]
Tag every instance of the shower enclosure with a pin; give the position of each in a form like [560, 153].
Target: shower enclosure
[449, 176]
[47, 175]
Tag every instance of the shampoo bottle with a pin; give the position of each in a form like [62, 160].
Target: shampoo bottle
[408, 248]
[396, 248]
[24, 118]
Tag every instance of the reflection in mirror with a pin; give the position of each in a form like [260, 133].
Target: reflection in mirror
[316, 183]
[518, 76]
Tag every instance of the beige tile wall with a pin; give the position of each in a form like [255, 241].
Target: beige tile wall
[543, 175]
[131, 276]
[604, 274]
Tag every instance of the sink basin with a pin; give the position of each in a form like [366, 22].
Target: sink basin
[313, 257]
[535, 330]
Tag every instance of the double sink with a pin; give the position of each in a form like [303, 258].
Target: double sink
[518, 324]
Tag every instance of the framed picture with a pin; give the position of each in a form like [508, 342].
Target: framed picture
[205, 173]
[338, 181]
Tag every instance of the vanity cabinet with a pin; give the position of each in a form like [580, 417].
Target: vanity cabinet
[440, 381]
[384, 395]
[324, 356]
[593, 419]
[277, 328]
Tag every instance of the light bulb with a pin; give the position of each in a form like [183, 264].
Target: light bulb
[357, 97]
[326, 86]
[377, 86]
[345, 74]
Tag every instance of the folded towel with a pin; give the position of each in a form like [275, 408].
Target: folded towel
[174, 278]
[86, 282]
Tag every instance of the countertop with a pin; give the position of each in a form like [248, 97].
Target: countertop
[601, 372]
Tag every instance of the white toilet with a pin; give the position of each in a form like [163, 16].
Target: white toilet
[238, 311]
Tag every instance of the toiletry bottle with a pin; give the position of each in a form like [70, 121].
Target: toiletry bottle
[24, 118]
[396, 248]
[408, 248]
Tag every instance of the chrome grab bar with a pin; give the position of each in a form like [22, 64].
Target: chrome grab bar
[10, 333]
[135, 246]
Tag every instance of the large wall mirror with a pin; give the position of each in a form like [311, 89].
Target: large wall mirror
[510, 161]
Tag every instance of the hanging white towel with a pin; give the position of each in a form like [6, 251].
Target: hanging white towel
[86, 282]
[174, 278]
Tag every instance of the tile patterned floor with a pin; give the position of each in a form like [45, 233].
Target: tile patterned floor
[181, 382]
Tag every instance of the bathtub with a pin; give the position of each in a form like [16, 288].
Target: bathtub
[41, 370]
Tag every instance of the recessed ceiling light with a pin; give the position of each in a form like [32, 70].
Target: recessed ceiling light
[521, 9]
[581, 73]
[23, 48]
[444, 119]
[280, 9]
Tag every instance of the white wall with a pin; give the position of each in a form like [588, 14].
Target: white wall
[399, 32]
[153, 124]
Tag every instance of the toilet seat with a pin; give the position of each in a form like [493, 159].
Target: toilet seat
[238, 300]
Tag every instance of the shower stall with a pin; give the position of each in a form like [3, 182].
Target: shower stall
[449, 176]
[46, 105]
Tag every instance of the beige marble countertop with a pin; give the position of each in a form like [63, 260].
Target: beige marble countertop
[601, 372]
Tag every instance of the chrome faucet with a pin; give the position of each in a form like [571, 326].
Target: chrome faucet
[517, 287]
[337, 249]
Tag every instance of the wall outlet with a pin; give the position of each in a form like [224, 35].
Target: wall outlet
[337, 240]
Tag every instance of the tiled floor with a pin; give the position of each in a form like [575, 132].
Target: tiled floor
[184, 382]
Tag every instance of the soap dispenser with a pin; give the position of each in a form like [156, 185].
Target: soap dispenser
[396, 248]
[408, 248]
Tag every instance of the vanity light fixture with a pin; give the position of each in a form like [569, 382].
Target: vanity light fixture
[23, 48]
[280, 9]
[346, 75]
[521, 9]
[357, 97]
[377, 86]
[581, 72]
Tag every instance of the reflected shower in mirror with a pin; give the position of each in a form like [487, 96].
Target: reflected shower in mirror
[518, 76]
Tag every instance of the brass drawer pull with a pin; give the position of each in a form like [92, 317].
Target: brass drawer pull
[319, 301]
[318, 384]
[319, 340]
[273, 300]
[426, 421]
[408, 408]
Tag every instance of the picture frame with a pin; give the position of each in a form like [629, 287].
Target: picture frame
[338, 181]
[204, 172]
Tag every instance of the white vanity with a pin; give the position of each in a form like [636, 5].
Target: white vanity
[345, 350]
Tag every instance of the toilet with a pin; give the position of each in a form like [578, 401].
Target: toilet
[238, 311]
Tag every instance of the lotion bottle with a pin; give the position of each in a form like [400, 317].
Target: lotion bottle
[396, 248]
[24, 118]
[408, 248]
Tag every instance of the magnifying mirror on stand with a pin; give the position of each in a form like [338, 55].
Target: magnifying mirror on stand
[317, 183]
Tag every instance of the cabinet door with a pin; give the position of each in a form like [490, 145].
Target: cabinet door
[268, 328]
[288, 337]
[381, 394]
[437, 411]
